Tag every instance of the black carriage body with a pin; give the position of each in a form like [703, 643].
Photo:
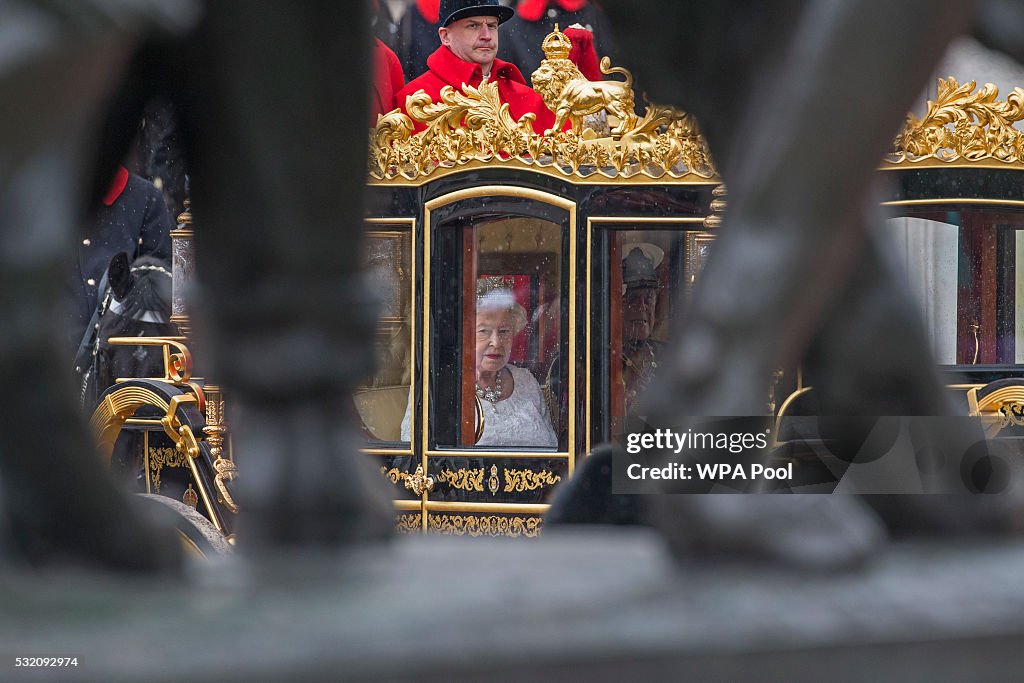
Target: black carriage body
[952, 221]
[558, 235]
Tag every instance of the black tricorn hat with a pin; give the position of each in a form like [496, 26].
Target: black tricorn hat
[453, 10]
[639, 266]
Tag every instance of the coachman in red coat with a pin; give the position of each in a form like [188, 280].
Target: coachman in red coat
[388, 79]
[469, 45]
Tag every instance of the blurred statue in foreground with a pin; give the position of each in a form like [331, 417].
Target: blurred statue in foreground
[285, 318]
[799, 101]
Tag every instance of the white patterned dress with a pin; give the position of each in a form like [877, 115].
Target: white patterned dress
[520, 420]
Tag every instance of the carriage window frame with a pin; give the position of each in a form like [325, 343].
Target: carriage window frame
[407, 229]
[599, 230]
[430, 225]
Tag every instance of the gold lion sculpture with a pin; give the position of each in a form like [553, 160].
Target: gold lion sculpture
[571, 96]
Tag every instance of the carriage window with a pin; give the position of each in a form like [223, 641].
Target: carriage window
[500, 317]
[965, 266]
[649, 273]
[381, 399]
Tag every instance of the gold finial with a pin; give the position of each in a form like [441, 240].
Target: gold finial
[185, 217]
[557, 45]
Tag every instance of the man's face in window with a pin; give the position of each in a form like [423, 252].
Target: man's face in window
[473, 39]
[638, 313]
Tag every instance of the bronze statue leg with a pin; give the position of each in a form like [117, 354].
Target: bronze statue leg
[275, 98]
[61, 63]
[798, 162]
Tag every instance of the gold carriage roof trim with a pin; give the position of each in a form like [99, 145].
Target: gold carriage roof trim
[475, 126]
[962, 127]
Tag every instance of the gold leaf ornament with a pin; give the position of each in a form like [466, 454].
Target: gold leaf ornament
[963, 125]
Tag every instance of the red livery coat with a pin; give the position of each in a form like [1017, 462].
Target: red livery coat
[388, 79]
[444, 68]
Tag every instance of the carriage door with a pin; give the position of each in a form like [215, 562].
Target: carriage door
[495, 418]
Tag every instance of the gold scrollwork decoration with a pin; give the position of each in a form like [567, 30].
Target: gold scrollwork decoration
[410, 523]
[528, 480]
[159, 458]
[485, 525]
[463, 479]
[963, 125]
[1012, 414]
[475, 126]
[394, 474]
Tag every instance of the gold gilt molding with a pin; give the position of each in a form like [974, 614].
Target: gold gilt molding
[515, 480]
[408, 523]
[486, 525]
[159, 458]
[475, 126]
[463, 479]
[963, 126]
[528, 480]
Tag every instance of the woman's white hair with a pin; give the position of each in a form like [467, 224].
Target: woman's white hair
[502, 300]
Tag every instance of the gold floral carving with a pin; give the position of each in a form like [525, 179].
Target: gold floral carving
[475, 126]
[159, 458]
[963, 125]
[410, 523]
[463, 479]
[528, 480]
[485, 525]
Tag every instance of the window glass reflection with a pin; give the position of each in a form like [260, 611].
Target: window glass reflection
[381, 399]
[650, 273]
[965, 267]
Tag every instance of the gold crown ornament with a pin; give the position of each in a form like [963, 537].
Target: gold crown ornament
[557, 45]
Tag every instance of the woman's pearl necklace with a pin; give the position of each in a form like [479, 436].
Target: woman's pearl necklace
[491, 395]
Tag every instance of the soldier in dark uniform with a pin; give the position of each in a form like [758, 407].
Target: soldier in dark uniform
[132, 218]
[417, 36]
[640, 347]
